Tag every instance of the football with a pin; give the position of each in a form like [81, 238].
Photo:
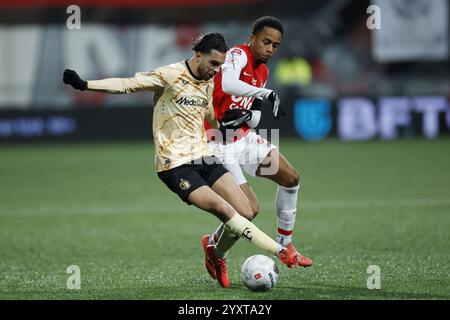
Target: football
[259, 273]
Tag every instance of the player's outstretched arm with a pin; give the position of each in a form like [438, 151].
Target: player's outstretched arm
[235, 61]
[141, 81]
[231, 83]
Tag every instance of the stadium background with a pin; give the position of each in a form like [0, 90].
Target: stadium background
[367, 125]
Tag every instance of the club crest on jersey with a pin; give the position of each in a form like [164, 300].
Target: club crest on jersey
[236, 51]
[185, 184]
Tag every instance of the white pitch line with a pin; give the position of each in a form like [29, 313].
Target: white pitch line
[56, 210]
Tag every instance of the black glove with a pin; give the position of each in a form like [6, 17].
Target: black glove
[276, 108]
[72, 78]
[256, 104]
[234, 118]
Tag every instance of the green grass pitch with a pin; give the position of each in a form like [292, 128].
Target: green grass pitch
[101, 207]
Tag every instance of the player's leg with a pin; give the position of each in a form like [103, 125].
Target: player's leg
[222, 237]
[252, 198]
[287, 179]
[263, 159]
[224, 184]
[206, 199]
[225, 154]
[230, 192]
[229, 155]
[215, 175]
[187, 182]
[284, 174]
[224, 240]
[191, 183]
[228, 242]
[227, 188]
[232, 164]
[235, 169]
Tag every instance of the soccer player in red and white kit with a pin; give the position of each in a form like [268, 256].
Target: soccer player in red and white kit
[237, 99]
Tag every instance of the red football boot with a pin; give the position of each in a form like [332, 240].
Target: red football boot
[208, 263]
[302, 261]
[289, 257]
[220, 265]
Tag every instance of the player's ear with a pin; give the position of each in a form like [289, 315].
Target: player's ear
[198, 56]
[252, 39]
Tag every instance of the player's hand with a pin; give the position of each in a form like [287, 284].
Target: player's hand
[276, 108]
[234, 118]
[72, 78]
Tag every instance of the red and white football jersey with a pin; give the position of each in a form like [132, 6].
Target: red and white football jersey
[248, 80]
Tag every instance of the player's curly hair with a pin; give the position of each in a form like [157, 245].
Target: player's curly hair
[206, 42]
[267, 21]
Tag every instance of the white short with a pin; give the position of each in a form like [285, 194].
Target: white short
[246, 154]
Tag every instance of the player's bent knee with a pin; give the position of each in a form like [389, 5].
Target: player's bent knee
[293, 179]
[255, 209]
[224, 210]
[248, 214]
[296, 181]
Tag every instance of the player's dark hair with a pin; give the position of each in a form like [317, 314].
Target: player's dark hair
[267, 21]
[210, 41]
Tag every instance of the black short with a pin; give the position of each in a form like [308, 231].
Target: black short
[190, 176]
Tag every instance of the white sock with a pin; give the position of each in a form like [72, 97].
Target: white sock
[286, 204]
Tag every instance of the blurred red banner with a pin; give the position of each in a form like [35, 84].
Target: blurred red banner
[120, 3]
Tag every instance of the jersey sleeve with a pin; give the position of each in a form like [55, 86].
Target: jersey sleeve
[236, 60]
[153, 81]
